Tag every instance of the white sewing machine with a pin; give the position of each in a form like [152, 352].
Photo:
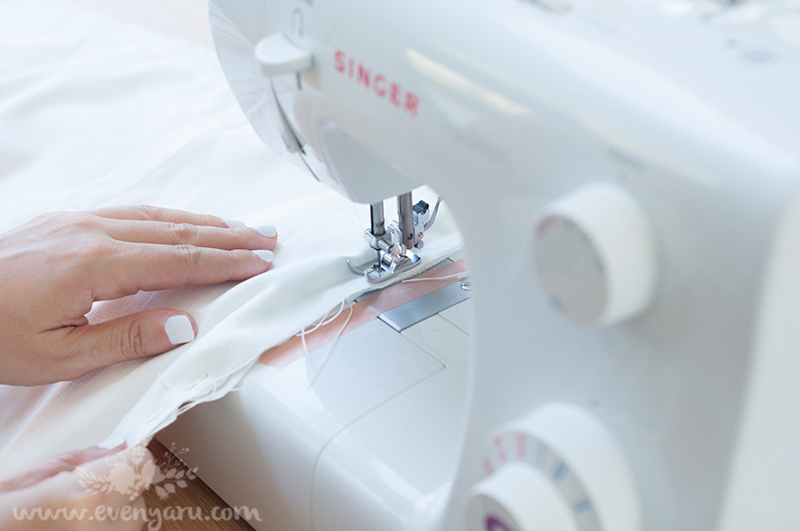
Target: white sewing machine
[625, 176]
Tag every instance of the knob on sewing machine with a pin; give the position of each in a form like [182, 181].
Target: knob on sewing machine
[557, 469]
[595, 254]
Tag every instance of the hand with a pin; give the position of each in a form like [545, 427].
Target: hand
[50, 496]
[55, 266]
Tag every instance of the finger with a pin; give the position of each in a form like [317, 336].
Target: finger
[152, 213]
[112, 482]
[129, 472]
[170, 233]
[150, 267]
[65, 462]
[134, 336]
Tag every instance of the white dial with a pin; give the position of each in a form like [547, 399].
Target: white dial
[556, 470]
[519, 497]
[595, 255]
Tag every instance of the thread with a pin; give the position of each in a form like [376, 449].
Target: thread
[330, 350]
[358, 216]
[458, 276]
[322, 322]
[202, 380]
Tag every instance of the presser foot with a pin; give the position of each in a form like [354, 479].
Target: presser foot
[388, 264]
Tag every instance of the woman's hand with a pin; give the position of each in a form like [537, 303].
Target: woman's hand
[55, 266]
[50, 496]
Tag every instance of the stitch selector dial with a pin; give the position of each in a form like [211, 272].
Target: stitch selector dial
[555, 470]
[595, 255]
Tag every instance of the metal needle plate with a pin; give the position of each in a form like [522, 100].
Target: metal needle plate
[413, 312]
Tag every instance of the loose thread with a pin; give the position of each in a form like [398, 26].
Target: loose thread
[330, 350]
[459, 276]
[325, 320]
[202, 380]
[190, 404]
[322, 322]
[358, 216]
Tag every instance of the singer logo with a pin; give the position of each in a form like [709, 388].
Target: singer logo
[394, 93]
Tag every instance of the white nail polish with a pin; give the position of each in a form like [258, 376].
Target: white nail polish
[233, 223]
[179, 329]
[267, 231]
[267, 256]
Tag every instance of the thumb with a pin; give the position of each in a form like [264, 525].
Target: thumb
[134, 336]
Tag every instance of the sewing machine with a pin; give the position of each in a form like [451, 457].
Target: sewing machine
[625, 177]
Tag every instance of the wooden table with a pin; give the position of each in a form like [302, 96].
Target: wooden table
[196, 497]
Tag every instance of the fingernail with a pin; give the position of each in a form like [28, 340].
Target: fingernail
[267, 231]
[267, 256]
[179, 329]
[233, 223]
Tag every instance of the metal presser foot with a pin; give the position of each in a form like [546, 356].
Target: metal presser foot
[393, 245]
[388, 264]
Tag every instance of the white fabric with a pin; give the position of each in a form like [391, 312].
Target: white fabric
[95, 113]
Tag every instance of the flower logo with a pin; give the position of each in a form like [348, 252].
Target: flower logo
[122, 478]
[130, 478]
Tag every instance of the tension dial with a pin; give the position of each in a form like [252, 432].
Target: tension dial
[557, 470]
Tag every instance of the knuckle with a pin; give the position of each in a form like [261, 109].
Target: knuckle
[183, 232]
[96, 250]
[215, 221]
[188, 256]
[151, 212]
[80, 219]
[67, 222]
[132, 342]
[246, 237]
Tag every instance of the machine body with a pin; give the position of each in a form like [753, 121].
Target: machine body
[625, 176]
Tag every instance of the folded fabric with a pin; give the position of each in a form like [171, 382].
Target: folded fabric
[93, 113]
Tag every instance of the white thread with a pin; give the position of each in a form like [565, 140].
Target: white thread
[202, 380]
[358, 216]
[191, 403]
[330, 350]
[459, 276]
[322, 322]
